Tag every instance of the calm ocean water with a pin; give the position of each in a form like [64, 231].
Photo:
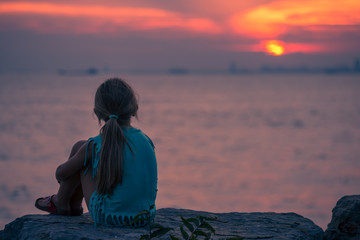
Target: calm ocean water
[224, 143]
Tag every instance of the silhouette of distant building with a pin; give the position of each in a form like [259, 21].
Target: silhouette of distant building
[89, 71]
[233, 68]
[357, 65]
[92, 71]
[178, 71]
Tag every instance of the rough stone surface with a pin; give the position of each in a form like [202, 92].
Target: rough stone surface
[248, 225]
[345, 221]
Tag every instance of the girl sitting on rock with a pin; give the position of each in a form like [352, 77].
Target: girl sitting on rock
[116, 171]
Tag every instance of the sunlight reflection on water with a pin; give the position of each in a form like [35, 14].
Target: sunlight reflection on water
[223, 143]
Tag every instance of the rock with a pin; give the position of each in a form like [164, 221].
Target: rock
[248, 225]
[345, 221]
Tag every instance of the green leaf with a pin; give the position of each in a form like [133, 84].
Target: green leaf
[194, 220]
[207, 226]
[200, 233]
[173, 237]
[156, 225]
[208, 236]
[184, 233]
[144, 237]
[139, 216]
[187, 224]
[160, 232]
[234, 238]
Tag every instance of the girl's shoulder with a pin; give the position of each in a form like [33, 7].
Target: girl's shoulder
[150, 141]
[93, 145]
[138, 134]
[96, 140]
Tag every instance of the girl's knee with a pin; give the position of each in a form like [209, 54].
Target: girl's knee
[78, 144]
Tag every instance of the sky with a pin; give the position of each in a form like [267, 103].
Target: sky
[161, 34]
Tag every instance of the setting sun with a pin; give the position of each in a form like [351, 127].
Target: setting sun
[275, 47]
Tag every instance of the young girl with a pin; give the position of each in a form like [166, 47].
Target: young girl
[116, 171]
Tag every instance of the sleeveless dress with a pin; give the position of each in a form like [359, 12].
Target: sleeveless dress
[139, 182]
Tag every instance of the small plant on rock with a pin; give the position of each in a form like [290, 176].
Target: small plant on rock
[154, 230]
[193, 228]
[198, 228]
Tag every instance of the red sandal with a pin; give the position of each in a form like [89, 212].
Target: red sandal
[50, 206]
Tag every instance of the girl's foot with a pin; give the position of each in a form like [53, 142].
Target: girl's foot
[47, 204]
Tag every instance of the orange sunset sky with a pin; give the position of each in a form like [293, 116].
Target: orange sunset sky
[45, 35]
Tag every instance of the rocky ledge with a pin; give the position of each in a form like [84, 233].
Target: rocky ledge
[247, 225]
[345, 225]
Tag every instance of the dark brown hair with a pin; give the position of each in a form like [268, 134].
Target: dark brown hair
[115, 103]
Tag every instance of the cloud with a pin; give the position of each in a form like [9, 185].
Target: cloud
[278, 17]
[305, 26]
[97, 19]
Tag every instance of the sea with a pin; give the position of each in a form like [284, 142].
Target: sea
[224, 143]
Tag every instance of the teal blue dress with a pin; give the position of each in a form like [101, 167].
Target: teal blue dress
[139, 182]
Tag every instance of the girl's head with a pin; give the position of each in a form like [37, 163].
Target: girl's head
[115, 97]
[115, 103]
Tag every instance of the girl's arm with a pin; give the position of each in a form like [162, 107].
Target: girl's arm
[75, 162]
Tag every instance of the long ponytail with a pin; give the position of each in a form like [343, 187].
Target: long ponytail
[115, 103]
[110, 168]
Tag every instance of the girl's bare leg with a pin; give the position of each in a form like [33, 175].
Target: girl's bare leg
[66, 191]
[70, 193]
[72, 190]
[88, 185]
[77, 198]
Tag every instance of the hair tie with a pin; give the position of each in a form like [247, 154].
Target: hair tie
[114, 116]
